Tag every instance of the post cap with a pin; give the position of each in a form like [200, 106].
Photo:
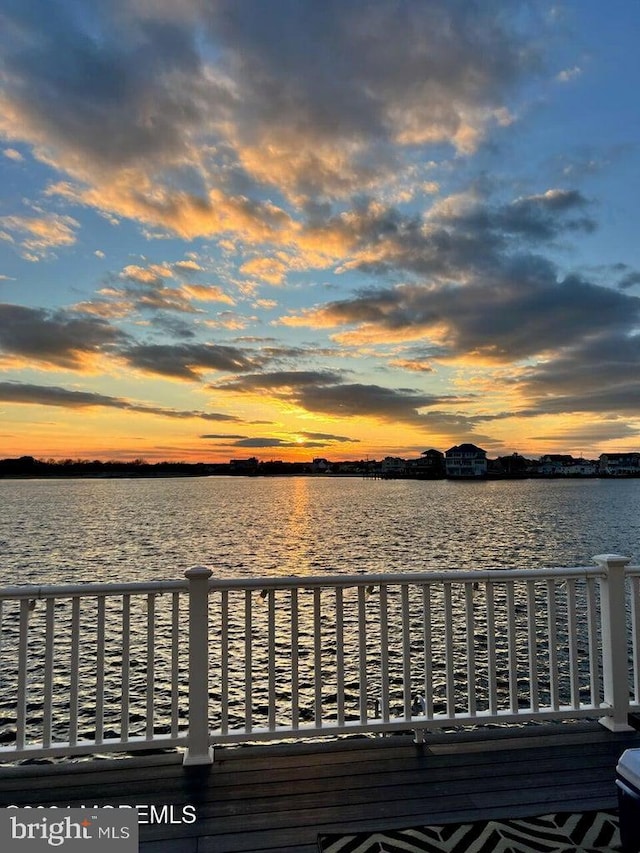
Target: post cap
[611, 559]
[198, 572]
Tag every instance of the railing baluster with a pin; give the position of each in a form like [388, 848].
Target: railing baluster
[552, 623]
[248, 660]
[471, 648]
[635, 635]
[362, 653]
[151, 659]
[512, 649]
[427, 649]
[175, 664]
[491, 650]
[100, 641]
[340, 655]
[406, 651]
[23, 664]
[126, 663]
[449, 652]
[295, 666]
[271, 666]
[532, 642]
[317, 656]
[572, 644]
[47, 705]
[384, 652]
[224, 661]
[595, 680]
[74, 667]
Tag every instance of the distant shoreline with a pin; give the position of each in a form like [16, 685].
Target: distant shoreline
[30, 468]
[133, 475]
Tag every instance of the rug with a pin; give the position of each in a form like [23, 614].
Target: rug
[585, 832]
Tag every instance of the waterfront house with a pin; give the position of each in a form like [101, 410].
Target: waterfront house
[620, 464]
[466, 460]
[393, 466]
[244, 466]
[555, 464]
[429, 465]
[565, 465]
[582, 468]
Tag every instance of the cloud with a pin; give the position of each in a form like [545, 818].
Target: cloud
[323, 84]
[271, 270]
[324, 392]
[180, 121]
[569, 74]
[189, 361]
[475, 287]
[312, 440]
[329, 437]
[12, 154]
[230, 320]
[587, 435]
[458, 237]
[55, 338]
[522, 310]
[413, 365]
[152, 275]
[266, 442]
[599, 375]
[145, 290]
[221, 435]
[206, 293]
[188, 266]
[283, 379]
[630, 279]
[37, 235]
[51, 395]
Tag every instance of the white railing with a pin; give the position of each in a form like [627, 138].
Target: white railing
[92, 668]
[95, 668]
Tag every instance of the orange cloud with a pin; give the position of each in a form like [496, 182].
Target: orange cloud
[271, 270]
[206, 293]
[37, 235]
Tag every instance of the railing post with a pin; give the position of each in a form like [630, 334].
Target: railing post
[615, 667]
[198, 749]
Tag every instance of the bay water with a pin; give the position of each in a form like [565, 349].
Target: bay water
[56, 531]
[116, 530]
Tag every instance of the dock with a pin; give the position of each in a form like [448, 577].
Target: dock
[276, 798]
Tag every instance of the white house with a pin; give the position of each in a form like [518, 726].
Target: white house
[620, 464]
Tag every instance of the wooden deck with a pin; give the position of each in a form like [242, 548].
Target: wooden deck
[277, 798]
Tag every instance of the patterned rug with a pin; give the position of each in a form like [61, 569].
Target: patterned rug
[586, 832]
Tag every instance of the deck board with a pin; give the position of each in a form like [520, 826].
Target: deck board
[263, 799]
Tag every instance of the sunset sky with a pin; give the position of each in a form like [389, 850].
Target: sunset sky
[300, 228]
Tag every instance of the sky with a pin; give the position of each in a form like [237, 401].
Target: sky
[296, 229]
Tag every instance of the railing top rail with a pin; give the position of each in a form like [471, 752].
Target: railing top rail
[497, 575]
[68, 590]
[375, 579]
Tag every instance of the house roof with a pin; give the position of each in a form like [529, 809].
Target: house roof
[466, 448]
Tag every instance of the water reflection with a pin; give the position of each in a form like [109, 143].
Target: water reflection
[299, 533]
[86, 530]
